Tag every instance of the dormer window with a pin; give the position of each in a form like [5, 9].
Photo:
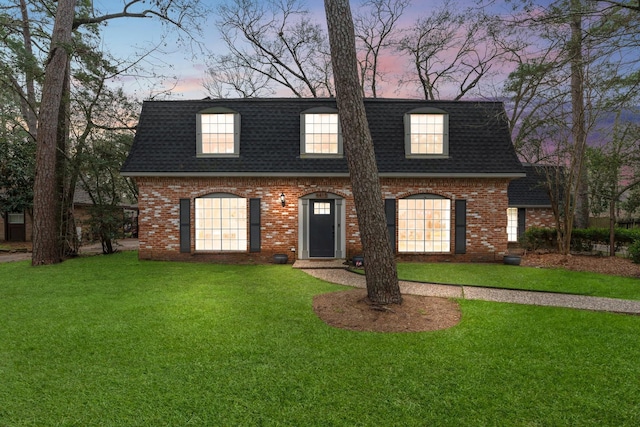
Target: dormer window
[320, 133]
[218, 132]
[426, 133]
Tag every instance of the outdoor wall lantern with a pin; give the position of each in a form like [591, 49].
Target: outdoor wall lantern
[282, 200]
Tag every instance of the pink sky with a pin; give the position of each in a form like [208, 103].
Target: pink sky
[126, 36]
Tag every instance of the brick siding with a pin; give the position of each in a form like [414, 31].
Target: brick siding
[159, 227]
[539, 217]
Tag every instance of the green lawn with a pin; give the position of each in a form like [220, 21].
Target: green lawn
[526, 278]
[111, 341]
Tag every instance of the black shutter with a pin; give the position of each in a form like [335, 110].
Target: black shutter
[522, 214]
[185, 225]
[254, 225]
[461, 226]
[390, 212]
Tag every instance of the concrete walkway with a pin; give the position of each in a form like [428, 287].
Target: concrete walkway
[336, 272]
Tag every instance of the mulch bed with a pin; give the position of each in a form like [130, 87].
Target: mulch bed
[614, 266]
[352, 310]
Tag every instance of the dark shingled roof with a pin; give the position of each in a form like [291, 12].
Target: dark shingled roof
[165, 142]
[529, 191]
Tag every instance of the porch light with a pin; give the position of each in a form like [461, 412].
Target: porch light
[282, 199]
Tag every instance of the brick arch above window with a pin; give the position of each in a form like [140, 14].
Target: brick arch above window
[431, 192]
[329, 193]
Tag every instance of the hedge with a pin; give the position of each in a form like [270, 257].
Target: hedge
[582, 239]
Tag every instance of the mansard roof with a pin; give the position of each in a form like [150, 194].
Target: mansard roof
[165, 142]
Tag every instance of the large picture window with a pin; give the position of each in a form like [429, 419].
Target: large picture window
[221, 223]
[218, 131]
[320, 133]
[424, 224]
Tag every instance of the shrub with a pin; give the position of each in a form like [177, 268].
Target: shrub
[539, 238]
[582, 240]
[634, 252]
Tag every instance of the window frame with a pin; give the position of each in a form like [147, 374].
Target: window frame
[236, 132]
[199, 240]
[408, 133]
[512, 224]
[303, 134]
[12, 216]
[446, 230]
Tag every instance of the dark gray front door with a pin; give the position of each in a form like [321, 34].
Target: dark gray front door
[322, 219]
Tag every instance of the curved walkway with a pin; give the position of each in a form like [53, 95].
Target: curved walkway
[342, 276]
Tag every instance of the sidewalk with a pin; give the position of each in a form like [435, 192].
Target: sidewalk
[90, 249]
[341, 276]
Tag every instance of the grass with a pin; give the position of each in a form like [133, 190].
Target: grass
[525, 278]
[112, 341]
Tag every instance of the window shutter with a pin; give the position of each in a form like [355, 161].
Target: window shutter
[522, 214]
[185, 225]
[390, 213]
[461, 226]
[254, 225]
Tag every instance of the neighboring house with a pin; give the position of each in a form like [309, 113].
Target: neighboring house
[16, 226]
[82, 204]
[529, 203]
[243, 179]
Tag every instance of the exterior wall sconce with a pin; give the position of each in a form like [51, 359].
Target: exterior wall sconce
[282, 200]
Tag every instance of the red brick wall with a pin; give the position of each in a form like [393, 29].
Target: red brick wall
[539, 217]
[159, 213]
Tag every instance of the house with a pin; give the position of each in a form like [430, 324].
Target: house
[82, 213]
[18, 226]
[240, 180]
[529, 203]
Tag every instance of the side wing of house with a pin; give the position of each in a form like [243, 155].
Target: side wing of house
[244, 179]
[529, 203]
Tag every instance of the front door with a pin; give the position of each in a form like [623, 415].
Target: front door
[322, 219]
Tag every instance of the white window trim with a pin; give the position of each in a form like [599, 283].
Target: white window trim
[512, 224]
[198, 240]
[303, 134]
[236, 132]
[445, 134]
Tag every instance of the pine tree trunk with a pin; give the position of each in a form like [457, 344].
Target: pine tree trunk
[381, 274]
[45, 203]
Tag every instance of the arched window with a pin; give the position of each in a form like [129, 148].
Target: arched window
[424, 224]
[221, 223]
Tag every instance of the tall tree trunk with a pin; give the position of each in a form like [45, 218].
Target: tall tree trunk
[45, 227]
[66, 176]
[612, 227]
[578, 112]
[381, 274]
